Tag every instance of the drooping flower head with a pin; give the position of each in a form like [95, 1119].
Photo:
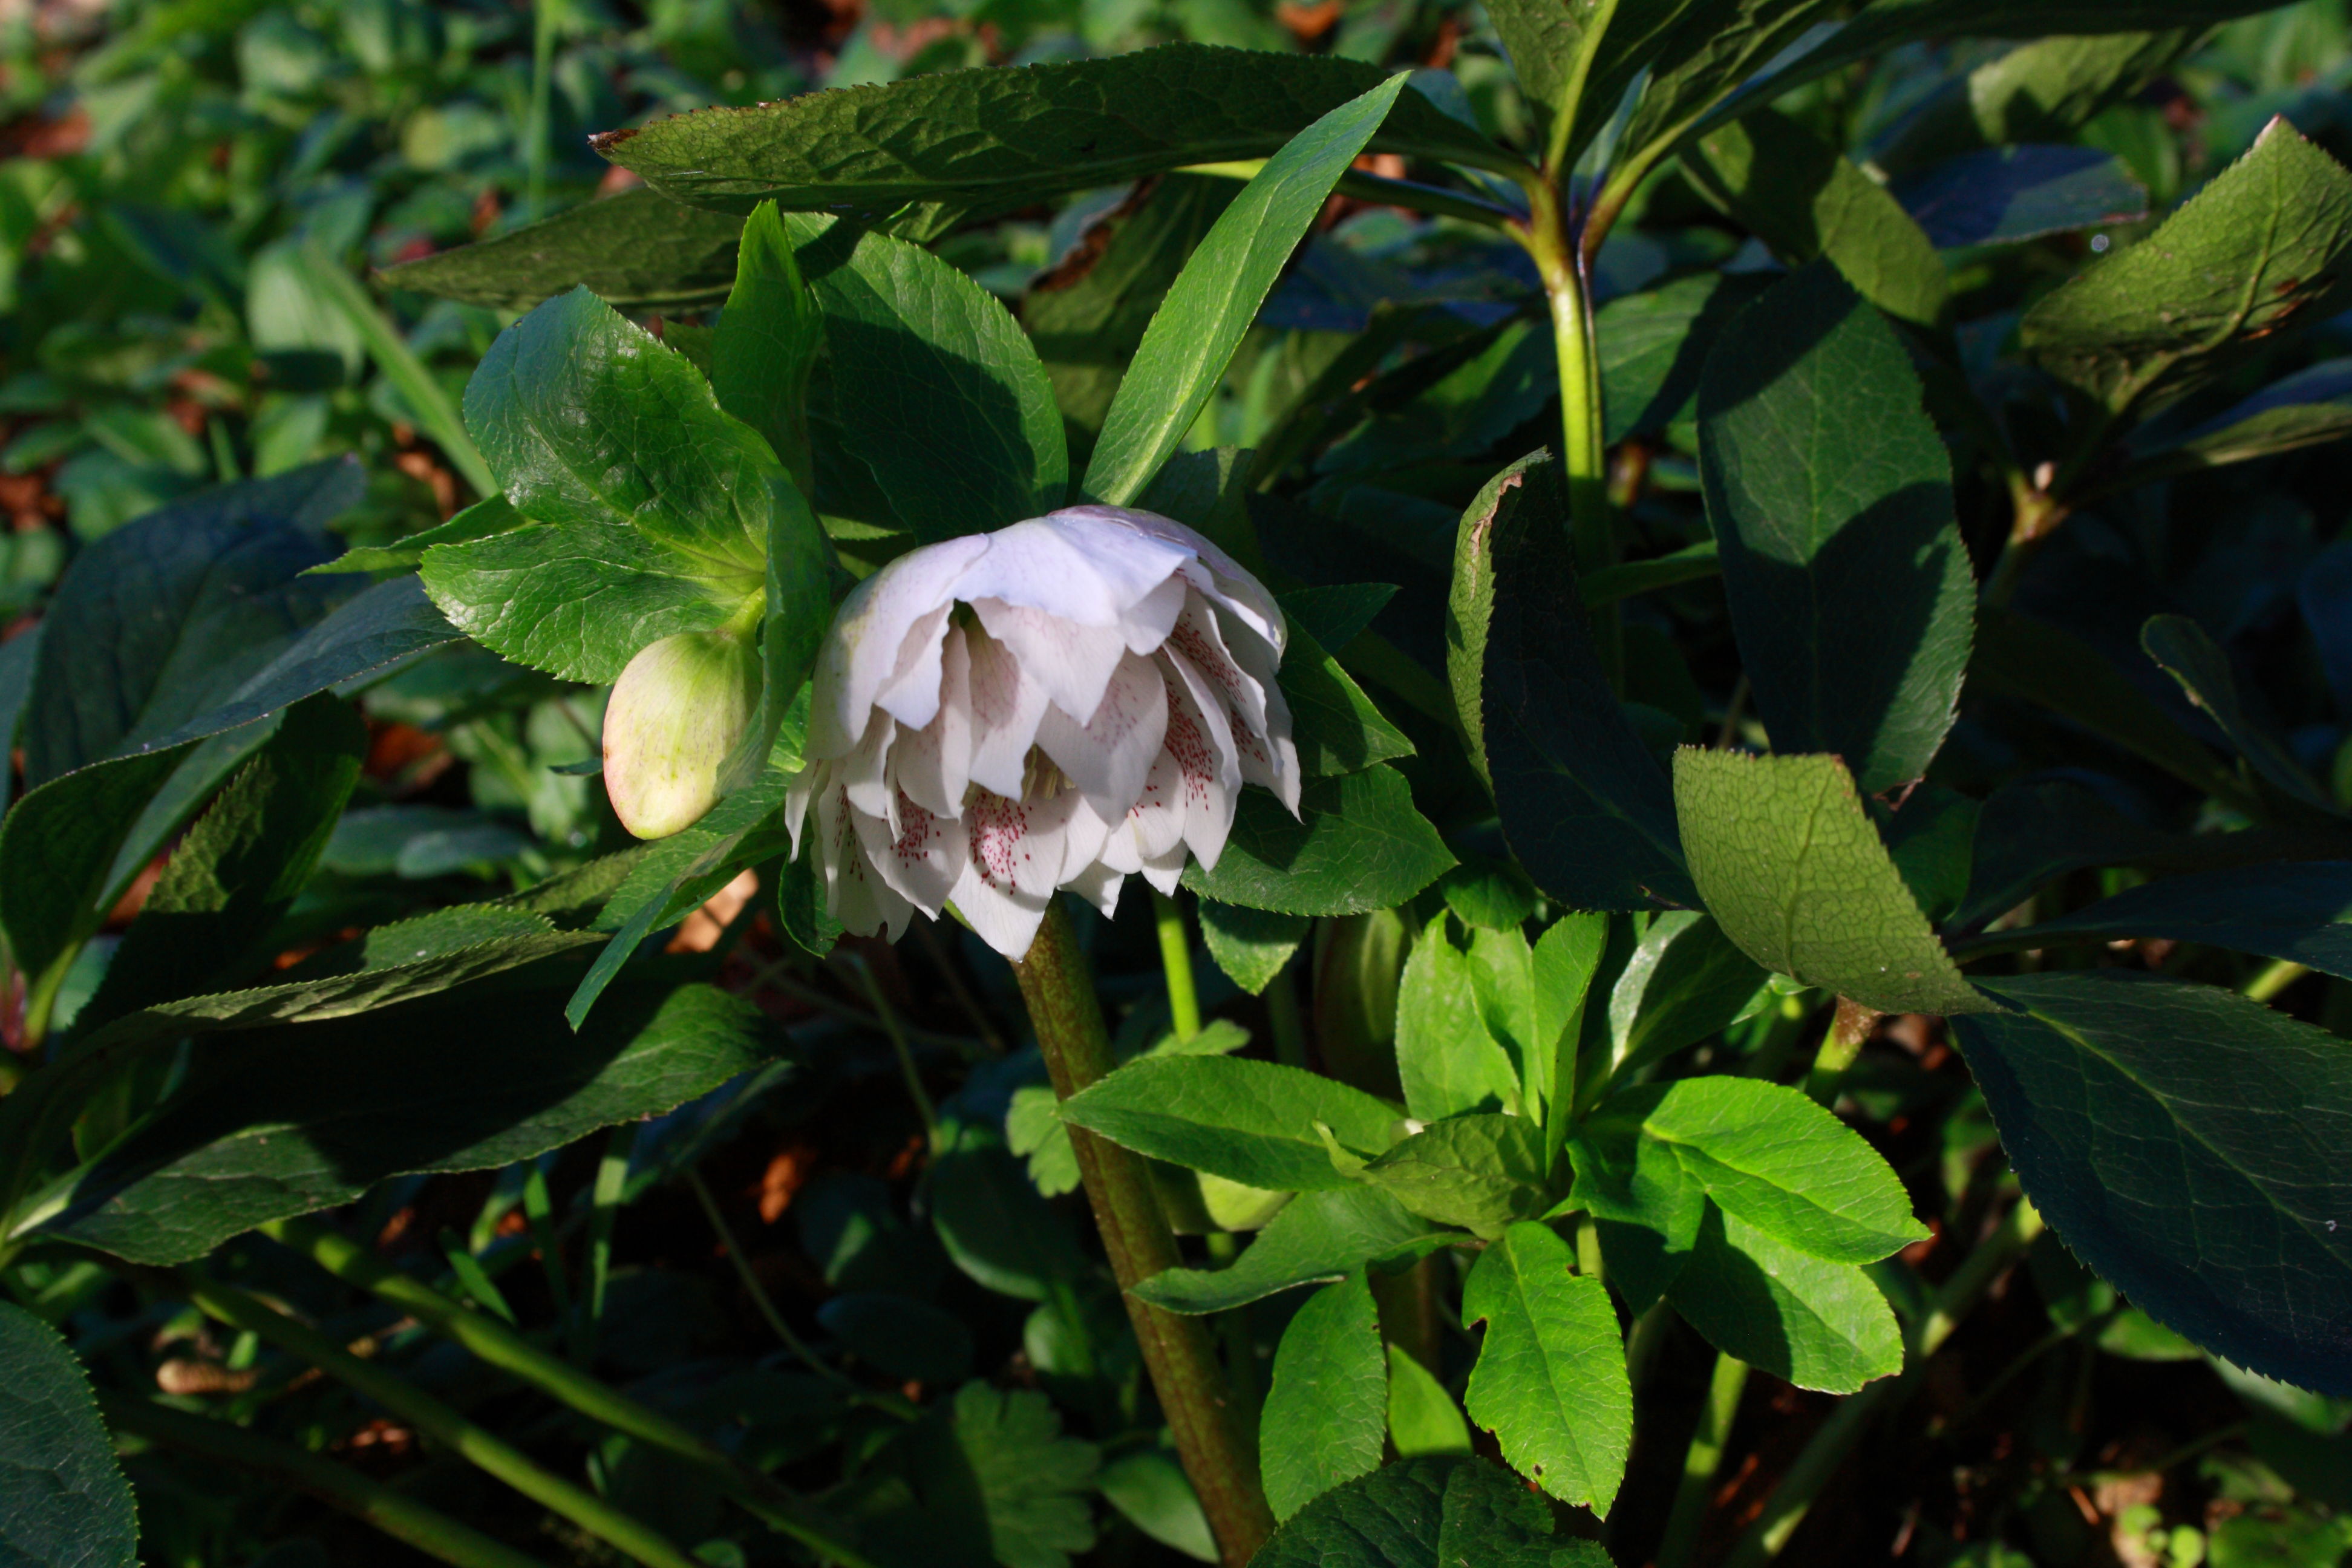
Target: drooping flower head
[1053, 705]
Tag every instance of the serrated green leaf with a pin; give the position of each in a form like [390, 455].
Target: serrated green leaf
[1772, 1158]
[1033, 1480]
[1481, 1173]
[766, 344]
[1550, 1380]
[1423, 1419]
[1429, 1512]
[1337, 728]
[1587, 811]
[1830, 493]
[1358, 845]
[1653, 345]
[1805, 199]
[639, 250]
[1818, 1325]
[949, 408]
[62, 1498]
[1646, 1203]
[1446, 1058]
[2260, 246]
[1248, 1121]
[2309, 408]
[996, 140]
[1214, 300]
[2296, 911]
[1317, 1238]
[1326, 1407]
[285, 1121]
[1251, 946]
[1791, 869]
[2178, 1139]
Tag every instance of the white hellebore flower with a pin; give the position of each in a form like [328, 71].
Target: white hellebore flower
[1053, 705]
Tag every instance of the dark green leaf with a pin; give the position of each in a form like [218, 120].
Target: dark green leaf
[1335, 615]
[1357, 845]
[2309, 408]
[1646, 1203]
[17, 656]
[639, 250]
[995, 1225]
[1033, 1480]
[1149, 1488]
[899, 1336]
[282, 1121]
[1791, 869]
[1575, 59]
[1818, 1325]
[1432, 1512]
[63, 1499]
[236, 873]
[1652, 346]
[493, 514]
[1447, 1058]
[1550, 1380]
[2040, 92]
[166, 617]
[1422, 1417]
[357, 640]
[2181, 1140]
[1336, 728]
[1806, 200]
[951, 408]
[996, 140]
[1249, 945]
[2189, 656]
[1831, 497]
[2260, 246]
[1481, 1173]
[1327, 1408]
[1317, 1238]
[2005, 194]
[1587, 810]
[58, 853]
[1214, 301]
[2297, 911]
[1248, 1121]
[1495, 894]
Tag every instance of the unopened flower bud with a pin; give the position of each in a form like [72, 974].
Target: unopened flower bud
[675, 714]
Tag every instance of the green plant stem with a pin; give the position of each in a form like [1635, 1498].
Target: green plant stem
[436, 1421]
[538, 1208]
[1701, 1461]
[750, 1282]
[1849, 1029]
[605, 1199]
[1282, 1016]
[891, 1026]
[1821, 1456]
[1210, 1439]
[495, 1344]
[398, 1515]
[1584, 457]
[1176, 959]
[2274, 979]
[435, 413]
[545, 15]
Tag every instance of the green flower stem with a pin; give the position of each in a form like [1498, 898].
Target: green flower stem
[397, 1514]
[1584, 457]
[1793, 1498]
[436, 1421]
[498, 1345]
[1210, 1439]
[1283, 1017]
[1849, 1030]
[605, 1199]
[1176, 958]
[1701, 1460]
[905, 1053]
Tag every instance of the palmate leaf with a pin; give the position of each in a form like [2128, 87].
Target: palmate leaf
[996, 140]
[2185, 1143]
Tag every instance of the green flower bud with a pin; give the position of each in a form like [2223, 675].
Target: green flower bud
[675, 714]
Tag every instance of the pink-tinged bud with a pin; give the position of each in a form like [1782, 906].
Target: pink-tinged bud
[675, 714]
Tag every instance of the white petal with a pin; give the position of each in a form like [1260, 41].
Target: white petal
[912, 695]
[862, 651]
[854, 895]
[1082, 838]
[809, 783]
[1199, 638]
[1258, 662]
[1109, 755]
[925, 861]
[1100, 885]
[1017, 844]
[1147, 626]
[1071, 661]
[1212, 724]
[1006, 707]
[1073, 569]
[1219, 575]
[1165, 871]
[933, 764]
[865, 772]
[1207, 776]
[1004, 918]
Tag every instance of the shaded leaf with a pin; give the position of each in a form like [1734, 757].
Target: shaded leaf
[1817, 1324]
[63, 1501]
[1249, 945]
[638, 250]
[2190, 658]
[1317, 1238]
[1358, 845]
[2005, 194]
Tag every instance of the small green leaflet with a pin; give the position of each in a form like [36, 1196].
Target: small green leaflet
[1818, 1325]
[1249, 1121]
[1550, 1382]
[1317, 1238]
[1327, 1408]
